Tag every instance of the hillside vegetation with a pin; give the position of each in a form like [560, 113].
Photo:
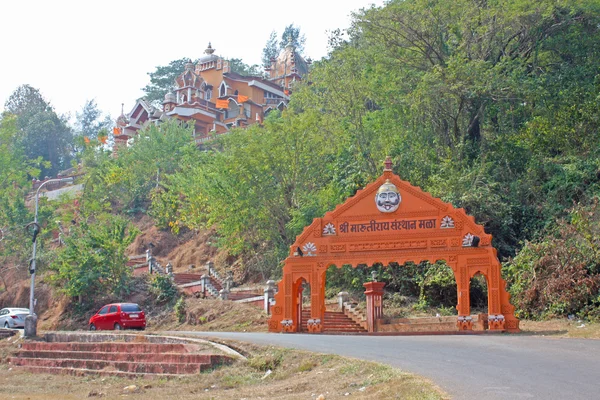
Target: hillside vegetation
[490, 105]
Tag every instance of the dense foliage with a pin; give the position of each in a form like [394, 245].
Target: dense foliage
[490, 105]
[92, 262]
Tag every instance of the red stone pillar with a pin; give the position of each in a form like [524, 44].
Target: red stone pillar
[374, 295]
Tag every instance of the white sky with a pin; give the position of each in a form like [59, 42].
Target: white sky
[75, 50]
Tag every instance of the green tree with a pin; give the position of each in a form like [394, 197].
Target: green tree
[44, 133]
[126, 183]
[271, 49]
[238, 66]
[90, 121]
[14, 183]
[162, 80]
[93, 262]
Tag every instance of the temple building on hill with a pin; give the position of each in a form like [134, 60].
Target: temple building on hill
[214, 99]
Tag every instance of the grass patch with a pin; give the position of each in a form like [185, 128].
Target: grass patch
[562, 328]
[294, 375]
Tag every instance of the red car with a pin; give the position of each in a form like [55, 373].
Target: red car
[118, 316]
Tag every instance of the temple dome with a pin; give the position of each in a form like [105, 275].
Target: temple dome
[209, 55]
[170, 98]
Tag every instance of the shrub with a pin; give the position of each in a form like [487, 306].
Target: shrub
[163, 288]
[180, 310]
[559, 274]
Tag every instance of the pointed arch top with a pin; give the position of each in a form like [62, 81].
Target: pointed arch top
[359, 225]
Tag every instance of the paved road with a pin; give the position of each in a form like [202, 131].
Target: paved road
[467, 367]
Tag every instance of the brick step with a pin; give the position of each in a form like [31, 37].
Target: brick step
[338, 328]
[334, 321]
[83, 372]
[124, 366]
[110, 347]
[181, 279]
[215, 283]
[328, 318]
[175, 358]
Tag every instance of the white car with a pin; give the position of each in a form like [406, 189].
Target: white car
[13, 317]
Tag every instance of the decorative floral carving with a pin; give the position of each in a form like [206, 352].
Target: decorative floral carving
[277, 310]
[467, 240]
[309, 249]
[329, 229]
[447, 222]
[273, 325]
[454, 242]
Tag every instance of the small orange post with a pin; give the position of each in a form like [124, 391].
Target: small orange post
[374, 295]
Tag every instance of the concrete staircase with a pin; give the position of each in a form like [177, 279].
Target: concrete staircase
[114, 358]
[213, 286]
[356, 314]
[335, 322]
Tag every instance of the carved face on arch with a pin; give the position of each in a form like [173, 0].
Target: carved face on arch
[387, 198]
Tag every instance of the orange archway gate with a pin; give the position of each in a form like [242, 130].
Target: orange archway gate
[391, 221]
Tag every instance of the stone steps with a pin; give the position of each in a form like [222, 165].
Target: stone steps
[104, 365]
[128, 359]
[181, 278]
[173, 358]
[334, 321]
[110, 347]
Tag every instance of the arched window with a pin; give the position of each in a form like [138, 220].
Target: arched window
[223, 89]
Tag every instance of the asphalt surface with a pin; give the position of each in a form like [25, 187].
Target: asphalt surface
[466, 367]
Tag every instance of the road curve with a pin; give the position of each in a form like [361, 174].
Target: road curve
[466, 367]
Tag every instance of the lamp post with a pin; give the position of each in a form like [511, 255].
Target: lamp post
[31, 319]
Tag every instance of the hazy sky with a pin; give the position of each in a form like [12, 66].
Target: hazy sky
[75, 50]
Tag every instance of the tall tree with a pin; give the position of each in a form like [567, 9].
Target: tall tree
[90, 120]
[291, 34]
[26, 99]
[14, 184]
[271, 49]
[162, 80]
[238, 66]
[44, 133]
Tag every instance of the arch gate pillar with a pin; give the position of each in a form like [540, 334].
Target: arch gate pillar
[317, 299]
[464, 321]
[374, 294]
